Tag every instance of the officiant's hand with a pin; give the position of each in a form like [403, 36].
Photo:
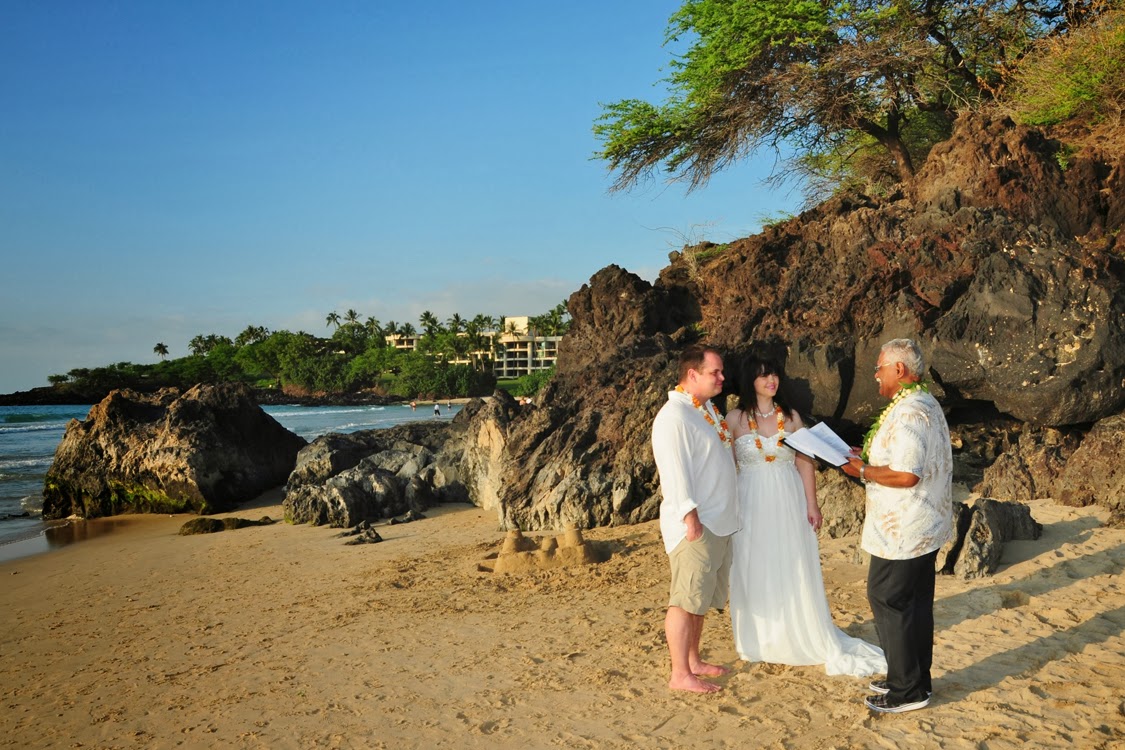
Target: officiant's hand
[851, 468]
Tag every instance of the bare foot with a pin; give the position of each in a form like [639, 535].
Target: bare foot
[692, 684]
[703, 669]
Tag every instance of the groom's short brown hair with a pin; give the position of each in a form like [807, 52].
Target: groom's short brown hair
[691, 358]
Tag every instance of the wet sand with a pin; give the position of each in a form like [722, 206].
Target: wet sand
[283, 637]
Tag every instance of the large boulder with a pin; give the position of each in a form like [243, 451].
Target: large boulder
[202, 451]
[342, 480]
[364, 492]
[1031, 467]
[1095, 473]
[991, 525]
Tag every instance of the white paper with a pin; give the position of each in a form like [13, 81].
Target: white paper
[822, 442]
[825, 433]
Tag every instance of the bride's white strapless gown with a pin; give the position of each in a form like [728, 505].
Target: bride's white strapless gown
[779, 610]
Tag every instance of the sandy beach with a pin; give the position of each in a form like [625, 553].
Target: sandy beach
[283, 637]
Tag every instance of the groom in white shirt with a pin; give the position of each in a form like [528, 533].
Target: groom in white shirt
[699, 510]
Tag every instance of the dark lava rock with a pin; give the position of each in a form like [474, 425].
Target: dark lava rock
[202, 451]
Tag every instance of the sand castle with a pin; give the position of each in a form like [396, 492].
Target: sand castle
[518, 554]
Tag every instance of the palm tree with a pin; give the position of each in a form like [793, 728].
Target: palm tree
[406, 329]
[373, 326]
[429, 322]
[333, 319]
[391, 328]
[161, 349]
[456, 324]
[252, 335]
[351, 316]
[484, 322]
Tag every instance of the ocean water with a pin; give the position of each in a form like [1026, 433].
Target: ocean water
[30, 434]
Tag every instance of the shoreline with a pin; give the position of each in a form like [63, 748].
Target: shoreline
[281, 636]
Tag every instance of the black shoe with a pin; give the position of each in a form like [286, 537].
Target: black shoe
[880, 704]
[880, 687]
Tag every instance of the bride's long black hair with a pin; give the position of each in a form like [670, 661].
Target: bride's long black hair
[754, 368]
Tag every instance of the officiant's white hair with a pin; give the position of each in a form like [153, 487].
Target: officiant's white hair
[907, 352]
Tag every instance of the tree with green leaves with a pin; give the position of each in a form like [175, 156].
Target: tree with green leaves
[161, 350]
[833, 80]
[201, 345]
[251, 335]
[332, 319]
[429, 322]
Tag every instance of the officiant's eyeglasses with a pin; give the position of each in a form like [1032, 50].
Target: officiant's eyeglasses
[885, 364]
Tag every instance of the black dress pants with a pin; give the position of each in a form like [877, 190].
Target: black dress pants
[901, 593]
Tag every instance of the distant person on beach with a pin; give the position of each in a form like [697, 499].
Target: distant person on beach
[698, 512]
[413, 406]
[778, 606]
[906, 464]
[437, 409]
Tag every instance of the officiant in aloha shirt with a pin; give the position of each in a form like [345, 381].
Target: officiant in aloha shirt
[906, 465]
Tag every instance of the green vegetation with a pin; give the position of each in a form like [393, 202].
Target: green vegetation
[529, 385]
[1080, 75]
[450, 360]
[858, 90]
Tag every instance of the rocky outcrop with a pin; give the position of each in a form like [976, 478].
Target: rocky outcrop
[344, 480]
[1072, 468]
[1095, 473]
[201, 451]
[1031, 467]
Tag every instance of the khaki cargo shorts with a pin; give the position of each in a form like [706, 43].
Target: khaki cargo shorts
[700, 573]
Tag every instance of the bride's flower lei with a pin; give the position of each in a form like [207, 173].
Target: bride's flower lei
[903, 391]
[721, 427]
[780, 432]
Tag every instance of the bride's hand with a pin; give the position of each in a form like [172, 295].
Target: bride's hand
[815, 518]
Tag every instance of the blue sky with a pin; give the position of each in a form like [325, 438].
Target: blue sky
[169, 169]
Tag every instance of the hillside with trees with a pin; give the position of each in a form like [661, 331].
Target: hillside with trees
[357, 361]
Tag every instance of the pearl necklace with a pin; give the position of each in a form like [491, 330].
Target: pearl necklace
[720, 427]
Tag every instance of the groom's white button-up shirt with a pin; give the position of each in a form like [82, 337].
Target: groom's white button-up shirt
[696, 468]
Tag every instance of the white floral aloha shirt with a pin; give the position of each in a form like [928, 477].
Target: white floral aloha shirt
[904, 523]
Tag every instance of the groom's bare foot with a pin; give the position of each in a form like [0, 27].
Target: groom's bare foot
[703, 669]
[692, 684]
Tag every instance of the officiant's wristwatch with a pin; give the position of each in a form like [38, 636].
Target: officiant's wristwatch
[862, 471]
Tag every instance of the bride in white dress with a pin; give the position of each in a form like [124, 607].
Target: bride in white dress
[779, 610]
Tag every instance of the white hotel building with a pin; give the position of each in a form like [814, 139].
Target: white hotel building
[515, 351]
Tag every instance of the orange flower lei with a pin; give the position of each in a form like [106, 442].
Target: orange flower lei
[724, 431]
[780, 431]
